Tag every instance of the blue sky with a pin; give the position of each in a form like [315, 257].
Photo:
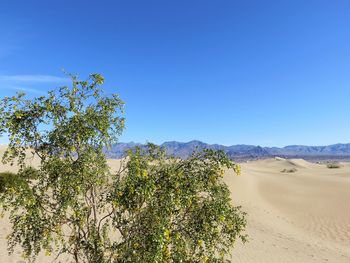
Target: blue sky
[230, 72]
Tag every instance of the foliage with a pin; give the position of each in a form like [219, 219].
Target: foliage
[333, 165]
[6, 179]
[154, 209]
[291, 170]
[10, 180]
[172, 210]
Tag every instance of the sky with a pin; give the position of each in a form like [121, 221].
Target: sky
[270, 73]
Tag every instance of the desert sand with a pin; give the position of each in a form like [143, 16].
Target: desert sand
[292, 217]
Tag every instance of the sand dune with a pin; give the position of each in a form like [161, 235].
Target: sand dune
[302, 216]
[293, 217]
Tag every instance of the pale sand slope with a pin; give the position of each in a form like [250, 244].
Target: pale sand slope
[292, 217]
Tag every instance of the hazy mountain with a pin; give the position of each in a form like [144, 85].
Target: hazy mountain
[335, 149]
[244, 152]
[118, 150]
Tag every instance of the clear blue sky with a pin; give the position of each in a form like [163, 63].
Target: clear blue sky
[253, 72]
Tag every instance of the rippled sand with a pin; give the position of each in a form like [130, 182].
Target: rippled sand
[293, 217]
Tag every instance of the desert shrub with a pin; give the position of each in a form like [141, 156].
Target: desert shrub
[156, 208]
[183, 208]
[290, 170]
[333, 165]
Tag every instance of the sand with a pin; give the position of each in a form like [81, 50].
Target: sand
[292, 217]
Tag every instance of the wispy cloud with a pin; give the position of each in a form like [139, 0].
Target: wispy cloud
[25, 89]
[33, 78]
[30, 83]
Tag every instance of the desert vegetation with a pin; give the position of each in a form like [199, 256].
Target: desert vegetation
[6, 180]
[333, 165]
[156, 208]
[289, 170]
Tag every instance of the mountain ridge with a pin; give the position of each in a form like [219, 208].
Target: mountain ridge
[337, 151]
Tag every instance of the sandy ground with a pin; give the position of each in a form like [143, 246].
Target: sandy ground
[292, 217]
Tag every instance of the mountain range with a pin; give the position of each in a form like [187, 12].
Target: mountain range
[245, 152]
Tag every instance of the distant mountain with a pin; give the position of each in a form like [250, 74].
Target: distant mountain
[118, 150]
[245, 152]
[332, 150]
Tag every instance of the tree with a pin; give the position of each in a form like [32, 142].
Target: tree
[156, 208]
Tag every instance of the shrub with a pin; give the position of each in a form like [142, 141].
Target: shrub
[333, 165]
[291, 170]
[163, 209]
